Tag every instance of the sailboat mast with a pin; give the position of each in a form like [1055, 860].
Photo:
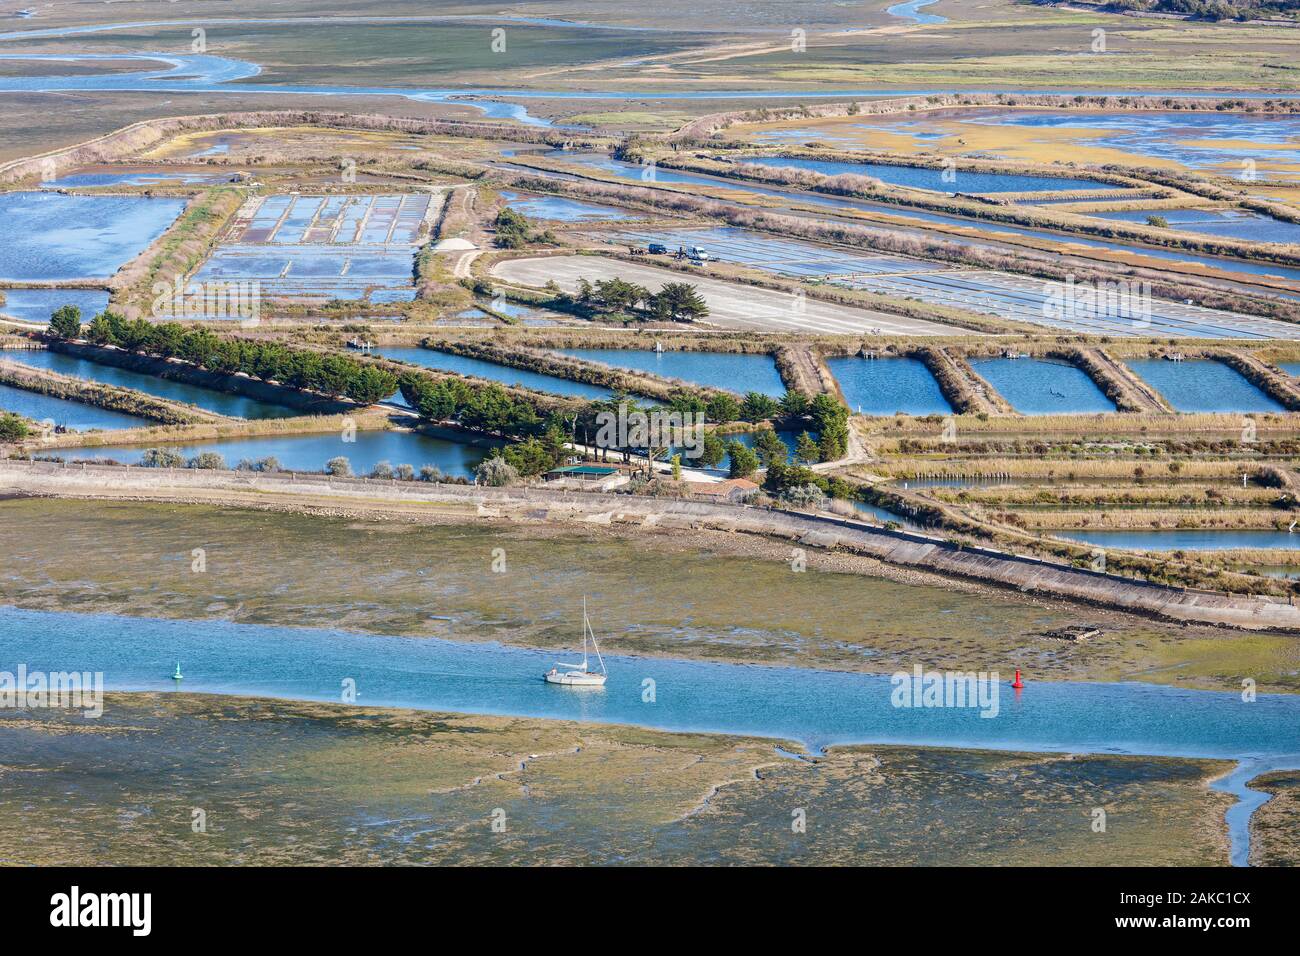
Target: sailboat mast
[596, 646]
[585, 628]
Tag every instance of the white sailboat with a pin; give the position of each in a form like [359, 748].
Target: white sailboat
[580, 675]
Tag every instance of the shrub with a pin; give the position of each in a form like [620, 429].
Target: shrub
[12, 428]
[339, 467]
[208, 461]
[161, 458]
[382, 469]
[803, 496]
[496, 472]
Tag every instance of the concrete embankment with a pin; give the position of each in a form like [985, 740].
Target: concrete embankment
[307, 492]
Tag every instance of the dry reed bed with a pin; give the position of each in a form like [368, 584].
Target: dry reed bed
[216, 431]
[1101, 426]
[137, 137]
[1031, 262]
[1058, 469]
[698, 131]
[1161, 519]
[863, 186]
[180, 249]
[112, 397]
[1163, 492]
[1208, 570]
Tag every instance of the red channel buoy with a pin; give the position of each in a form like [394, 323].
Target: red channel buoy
[1017, 684]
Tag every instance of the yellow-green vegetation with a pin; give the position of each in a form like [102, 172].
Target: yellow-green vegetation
[365, 566]
[285, 782]
[182, 248]
[1275, 827]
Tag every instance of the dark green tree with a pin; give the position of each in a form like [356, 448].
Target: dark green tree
[65, 322]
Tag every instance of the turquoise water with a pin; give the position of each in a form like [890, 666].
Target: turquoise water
[1203, 386]
[49, 236]
[919, 177]
[740, 373]
[447, 362]
[1038, 387]
[1189, 540]
[37, 305]
[214, 401]
[815, 707]
[886, 386]
[60, 411]
[561, 209]
[311, 452]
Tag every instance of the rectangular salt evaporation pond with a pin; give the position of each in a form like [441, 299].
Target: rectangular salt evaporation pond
[311, 452]
[75, 416]
[325, 247]
[919, 177]
[1203, 385]
[730, 370]
[1038, 387]
[138, 177]
[37, 305]
[791, 257]
[53, 237]
[1184, 540]
[211, 399]
[886, 386]
[559, 209]
[446, 362]
[1228, 223]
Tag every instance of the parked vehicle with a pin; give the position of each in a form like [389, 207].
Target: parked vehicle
[657, 249]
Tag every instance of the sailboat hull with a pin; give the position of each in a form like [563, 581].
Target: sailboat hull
[574, 678]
